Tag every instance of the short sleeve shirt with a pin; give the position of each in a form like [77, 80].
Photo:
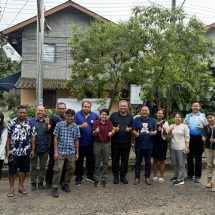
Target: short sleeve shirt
[20, 135]
[66, 137]
[193, 121]
[144, 126]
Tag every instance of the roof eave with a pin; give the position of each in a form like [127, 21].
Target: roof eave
[54, 10]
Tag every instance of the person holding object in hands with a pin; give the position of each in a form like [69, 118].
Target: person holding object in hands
[20, 148]
[66, 142]
[209, 139]
[102, 132]
[160, 146]
[195, 121]
[179, 136]
[121, 142]
[144, 129]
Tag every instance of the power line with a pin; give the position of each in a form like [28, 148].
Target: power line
[19, 12]
[3, 11]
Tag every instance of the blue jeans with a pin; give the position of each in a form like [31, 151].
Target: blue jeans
[140, 153]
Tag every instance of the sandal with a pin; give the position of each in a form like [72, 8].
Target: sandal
[10, 194]
[213, 189]
[23, 191]
[155, 179]
[161, 181]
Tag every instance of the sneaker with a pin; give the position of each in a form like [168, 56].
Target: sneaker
[66, 188]
[116, 180]
[104, 184]
[148, 181]
[155, 179]
[90, 179]
[96, 183]
[124, 180]
[40, 186]
[136, 181]
[55, 193]
[33, 186]
[48, 186]
[78, 183]
[173, 179]
[177, 182]
[197, 180]
[189, 178]
[161, 181]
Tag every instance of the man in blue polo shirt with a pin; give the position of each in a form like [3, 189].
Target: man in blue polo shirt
[144, 128]
[195, 121]
[85, 119]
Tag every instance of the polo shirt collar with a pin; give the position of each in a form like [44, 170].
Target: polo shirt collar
[121, 114]
[198, 114]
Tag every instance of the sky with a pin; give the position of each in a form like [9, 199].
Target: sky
[15, 11]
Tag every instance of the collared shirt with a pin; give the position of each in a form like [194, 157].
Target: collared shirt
[104, 129]
[66, 137]
[42, 142]
[194, 120]
[122, 136]
[86, 138]
[144, 126]
[53, 121]
[20, 135]
[208, 133]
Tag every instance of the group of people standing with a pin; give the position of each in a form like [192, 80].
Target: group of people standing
[67, 138]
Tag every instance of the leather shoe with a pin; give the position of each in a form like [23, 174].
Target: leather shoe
[124, 180]
[136, 181]
[148, 181]
[116, 180]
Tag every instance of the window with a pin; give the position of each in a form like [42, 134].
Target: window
[49, 52]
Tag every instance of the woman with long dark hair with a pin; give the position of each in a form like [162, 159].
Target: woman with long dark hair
[3, 139]
[160, 146]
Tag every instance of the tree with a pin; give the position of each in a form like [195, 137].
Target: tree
[176, 58]
[7, 67]
[101, 56]
[159, 49]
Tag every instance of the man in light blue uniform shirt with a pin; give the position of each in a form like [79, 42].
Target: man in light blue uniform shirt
[195, 121]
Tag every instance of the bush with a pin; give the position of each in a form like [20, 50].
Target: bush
[31, 112]
[10, 99]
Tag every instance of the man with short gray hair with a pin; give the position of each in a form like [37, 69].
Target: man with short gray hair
[121, 142]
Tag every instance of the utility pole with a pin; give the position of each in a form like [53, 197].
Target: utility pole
[173, 4]
[40, 42]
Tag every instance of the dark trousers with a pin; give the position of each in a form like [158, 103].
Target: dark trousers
[1, 166]
[85, 151]
[120, 155]
[50, 172]
[196, 149]
[140, 153]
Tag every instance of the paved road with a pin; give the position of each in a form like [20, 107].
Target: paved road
[121, 199]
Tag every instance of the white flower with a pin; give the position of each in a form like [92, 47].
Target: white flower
[87, 60]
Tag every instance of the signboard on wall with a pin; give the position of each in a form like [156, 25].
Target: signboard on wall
[135, 94]
[75, 104]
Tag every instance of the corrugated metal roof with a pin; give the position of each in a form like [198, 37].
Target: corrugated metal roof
[30, 83]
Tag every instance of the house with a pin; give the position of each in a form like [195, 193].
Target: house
[210, 34]
[56, 51]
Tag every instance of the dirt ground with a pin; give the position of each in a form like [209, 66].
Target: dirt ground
[190, 198]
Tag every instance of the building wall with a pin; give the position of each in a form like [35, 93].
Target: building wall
[27, 96]
[60, 33]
